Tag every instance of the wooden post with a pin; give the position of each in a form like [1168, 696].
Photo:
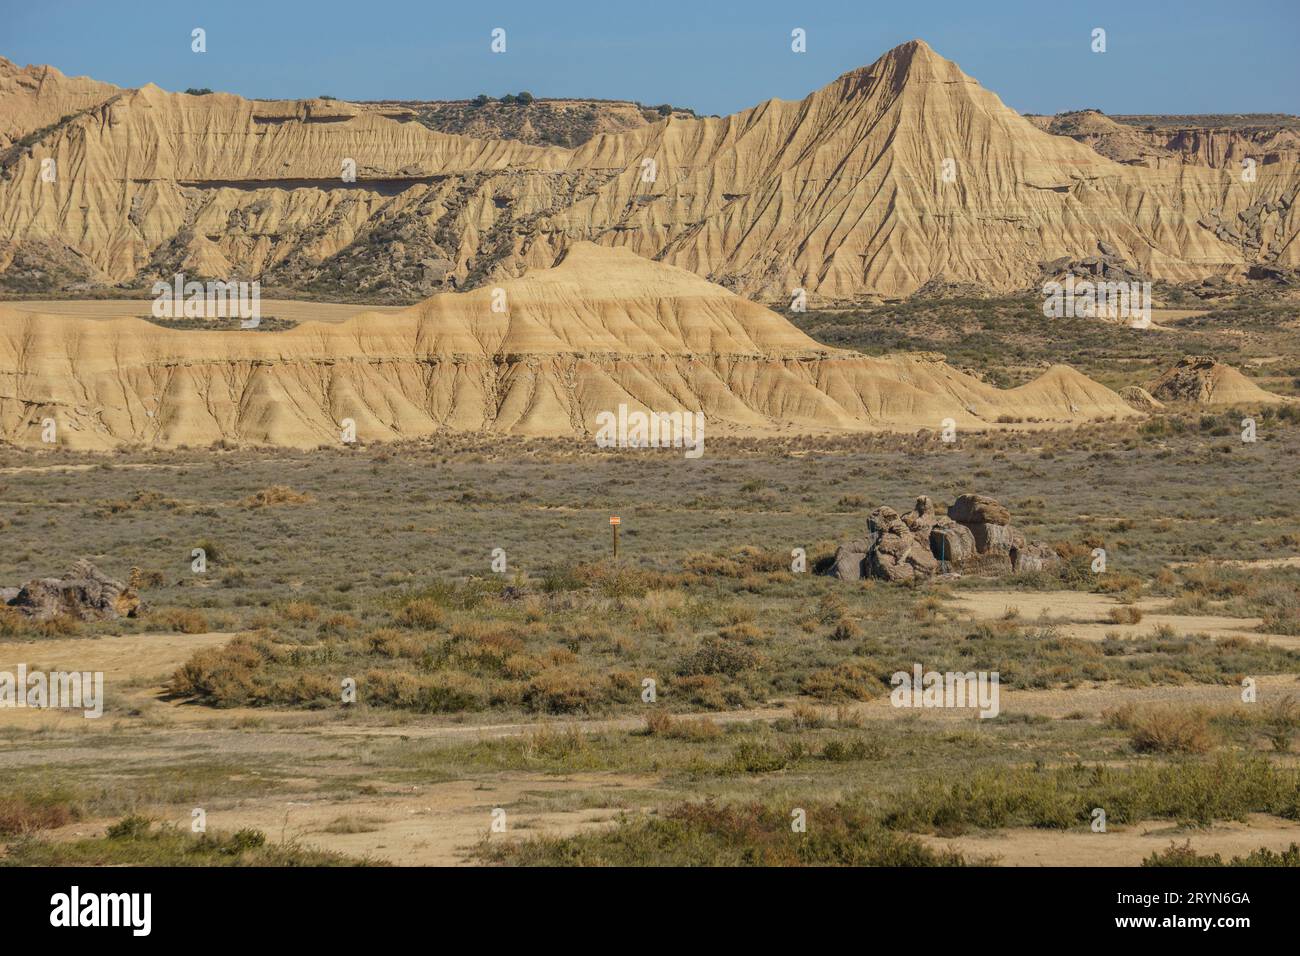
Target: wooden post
[614, 521]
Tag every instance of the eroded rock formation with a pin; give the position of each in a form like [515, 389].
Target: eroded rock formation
[85, 593]
[891, 176]
[973, 536]
[603, 328]
[1203, 380]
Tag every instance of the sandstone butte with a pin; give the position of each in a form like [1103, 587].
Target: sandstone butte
[842, 194]
[602, 328]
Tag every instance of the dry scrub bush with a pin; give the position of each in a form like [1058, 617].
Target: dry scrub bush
[276, 495]
[744, 632]
[390, 642]
[299, 612]
[1163, 730]
[1125, 614]
[703, 690]
[839, 751]
[339, 623]
[14, 623]
[21, 815]
[748, 561]
[440, 693]
[221, 675]
[562, 691]
[1282, 722]
[806, 717]
[185, 620]
[847, 680]
[551, 744]
[845, 630]
[717, 656]
[662, 724]
[423, 613]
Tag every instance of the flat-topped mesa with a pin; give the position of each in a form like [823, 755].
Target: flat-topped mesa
[974, 536]
[542, 355]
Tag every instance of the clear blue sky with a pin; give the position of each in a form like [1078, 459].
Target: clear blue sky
[717, 56]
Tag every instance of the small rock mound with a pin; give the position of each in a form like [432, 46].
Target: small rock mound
[1203, 380]
[86, 594]
[1139, 398]
[973, 536]
[1108, 264]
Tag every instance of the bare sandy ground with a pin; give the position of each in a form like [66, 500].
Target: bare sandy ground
[1121, 846]
[1086, 616]
[433, 825]
[438, 823]
[134, 667]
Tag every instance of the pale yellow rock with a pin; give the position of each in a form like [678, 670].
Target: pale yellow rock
[891, 175]
[603, 328]
[1219, 147]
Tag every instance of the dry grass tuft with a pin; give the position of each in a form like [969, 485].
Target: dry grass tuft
[1163, 730]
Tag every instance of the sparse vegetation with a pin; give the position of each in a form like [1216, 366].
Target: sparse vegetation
[374, 565]
[136, 841]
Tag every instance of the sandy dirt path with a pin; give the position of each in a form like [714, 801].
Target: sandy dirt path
[439, 823]
[435, 824]
[1122, 846]
[1085, 615]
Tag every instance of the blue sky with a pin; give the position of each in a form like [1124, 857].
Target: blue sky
[716, 56]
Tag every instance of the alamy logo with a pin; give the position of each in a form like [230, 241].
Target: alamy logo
[923, 688]
[1098, 300]
[639, 429]
[103, 909]
[208, 300]
[57, 690]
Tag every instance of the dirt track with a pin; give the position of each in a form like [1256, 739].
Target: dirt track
[437, 823]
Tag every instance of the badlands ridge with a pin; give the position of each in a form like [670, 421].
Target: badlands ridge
[894, 175]
[602, 328]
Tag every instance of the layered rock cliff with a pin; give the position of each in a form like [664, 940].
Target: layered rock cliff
[542, 355]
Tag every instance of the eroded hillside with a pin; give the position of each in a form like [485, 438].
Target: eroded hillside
[602, 329]
[894, 175]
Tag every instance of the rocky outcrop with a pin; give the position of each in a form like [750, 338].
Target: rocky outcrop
[900, 552]
[86, 593]
[974, 536]
[979, 509]
[1108, 264]
[1203, 380]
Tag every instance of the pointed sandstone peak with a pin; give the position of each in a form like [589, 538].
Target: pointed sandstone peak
[913, 61]
[891, 176]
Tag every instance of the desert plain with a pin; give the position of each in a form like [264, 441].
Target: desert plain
[406, 640]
